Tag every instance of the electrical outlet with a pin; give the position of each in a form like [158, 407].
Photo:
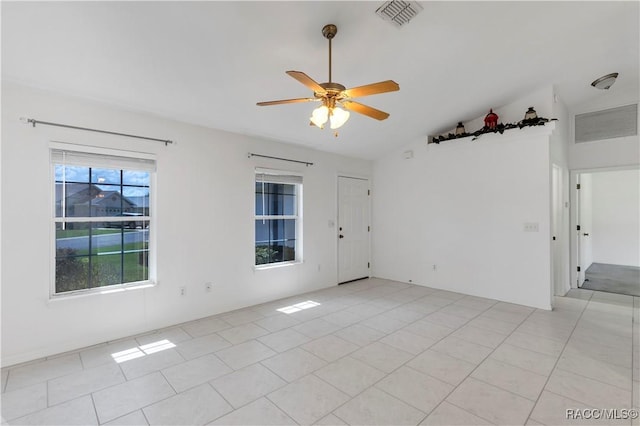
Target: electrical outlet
[208, 287]
[183, 291]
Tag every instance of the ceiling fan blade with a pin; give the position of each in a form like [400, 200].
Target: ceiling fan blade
[307, 81]
[286, 101]
[365, 110]
[372, 89]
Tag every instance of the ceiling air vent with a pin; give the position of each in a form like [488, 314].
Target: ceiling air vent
[399, 12]
[607, 124]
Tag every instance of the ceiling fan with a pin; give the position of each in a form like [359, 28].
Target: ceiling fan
[333, 95]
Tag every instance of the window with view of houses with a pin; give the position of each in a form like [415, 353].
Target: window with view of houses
[102, 220]
[277, 217]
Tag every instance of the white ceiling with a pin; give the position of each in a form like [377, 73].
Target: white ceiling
[208, 63]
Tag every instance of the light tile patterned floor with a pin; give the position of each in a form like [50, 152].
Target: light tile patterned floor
[370, 352]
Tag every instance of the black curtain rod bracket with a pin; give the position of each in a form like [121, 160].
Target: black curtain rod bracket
[33, 122]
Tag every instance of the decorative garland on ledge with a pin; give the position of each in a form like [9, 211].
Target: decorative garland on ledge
[496, 128]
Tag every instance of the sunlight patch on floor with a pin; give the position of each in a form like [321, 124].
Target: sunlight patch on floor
[298, 307]
[140, 351]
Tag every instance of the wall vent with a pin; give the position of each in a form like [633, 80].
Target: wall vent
[607, 124]
[399, 12]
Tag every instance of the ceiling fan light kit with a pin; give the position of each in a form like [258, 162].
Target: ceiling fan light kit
[335, 98]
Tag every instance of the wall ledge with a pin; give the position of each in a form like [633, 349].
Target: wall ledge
[510, 134]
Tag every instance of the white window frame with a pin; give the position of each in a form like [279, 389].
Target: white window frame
[90, 156]
[285, 177]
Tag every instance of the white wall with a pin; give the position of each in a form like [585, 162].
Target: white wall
[616, 217]
[204, 225]
[461, 206]
[606, 153]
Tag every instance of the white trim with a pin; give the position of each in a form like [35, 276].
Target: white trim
[607, 169]
[352, 176]
[274, 265]
[111, 289]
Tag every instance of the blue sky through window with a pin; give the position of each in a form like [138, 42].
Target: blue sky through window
[98, 176]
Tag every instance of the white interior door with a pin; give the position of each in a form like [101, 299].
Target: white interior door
[585, 219]
[353, 229]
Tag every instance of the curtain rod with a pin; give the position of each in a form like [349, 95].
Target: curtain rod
[46, 123]
[306, 163]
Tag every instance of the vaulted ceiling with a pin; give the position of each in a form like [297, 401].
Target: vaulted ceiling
[208, 63]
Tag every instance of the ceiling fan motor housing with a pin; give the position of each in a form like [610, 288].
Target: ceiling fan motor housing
[331, 88]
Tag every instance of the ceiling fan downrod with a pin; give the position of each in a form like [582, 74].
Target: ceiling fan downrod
[329, 31]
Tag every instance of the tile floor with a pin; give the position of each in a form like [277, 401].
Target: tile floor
[369, 352]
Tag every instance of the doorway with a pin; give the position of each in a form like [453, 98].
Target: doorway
[353, 229]
[607, 229]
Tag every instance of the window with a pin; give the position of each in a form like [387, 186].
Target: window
[278, 217]
[102, 219]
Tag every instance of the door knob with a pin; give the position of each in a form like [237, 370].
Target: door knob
[340, 236]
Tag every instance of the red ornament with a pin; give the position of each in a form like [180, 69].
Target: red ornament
[491, 120]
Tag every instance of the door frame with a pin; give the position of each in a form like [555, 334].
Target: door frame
[573, 214]
[559, 246]
[337, 220]
[577, 237]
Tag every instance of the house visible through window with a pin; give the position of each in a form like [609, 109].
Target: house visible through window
[102, 218]
[277, 218]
